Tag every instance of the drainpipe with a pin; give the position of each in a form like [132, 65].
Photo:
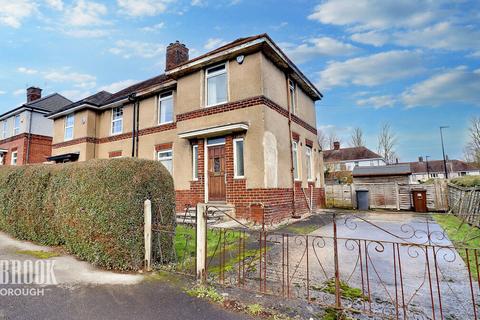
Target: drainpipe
[292, 173]
[27, 158]
[131, 98]
[138, 128]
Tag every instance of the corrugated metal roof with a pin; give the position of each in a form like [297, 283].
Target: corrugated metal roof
[393, 169]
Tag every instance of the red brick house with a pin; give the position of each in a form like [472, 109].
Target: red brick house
[25, 133]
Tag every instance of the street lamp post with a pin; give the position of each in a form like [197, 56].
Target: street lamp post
[443, 151]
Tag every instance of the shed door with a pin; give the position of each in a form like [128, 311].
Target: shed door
[216, 173]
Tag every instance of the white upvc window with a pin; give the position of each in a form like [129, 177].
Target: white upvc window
[165, 108]
[195, 162]
[117, 120]
[166, 158]
[14, 159]
[296, 172]
[4, 129]
[69, 125]
[291, 89]
[309, 160]
[216, 85]
[238, 158]
[16, 125]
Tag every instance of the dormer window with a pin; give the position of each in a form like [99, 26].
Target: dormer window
[117, 120]
[165, 108]
[291, 89]
[216, 85]
[69, 125]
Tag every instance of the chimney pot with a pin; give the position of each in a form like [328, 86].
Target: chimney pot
[336, 145]
[177, 53]
[420, 159]
[33, 93]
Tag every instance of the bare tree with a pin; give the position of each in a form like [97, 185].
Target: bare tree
[322, 140]
[333, 137]
[472, 149]
[386, 143]
[356, 139]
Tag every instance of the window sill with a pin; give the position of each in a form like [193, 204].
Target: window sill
[115, 134]
[216, 104]
[239, 177]
[67, 139]
[164, 123]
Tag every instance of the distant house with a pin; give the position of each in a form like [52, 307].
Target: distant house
[340, 162]
[25, 133]
[423, 170]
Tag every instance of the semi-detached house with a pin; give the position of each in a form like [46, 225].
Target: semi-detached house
[235, 126]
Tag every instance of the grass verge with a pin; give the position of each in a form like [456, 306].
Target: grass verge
[38, 254]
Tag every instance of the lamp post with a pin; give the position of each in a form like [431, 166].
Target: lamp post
[428, 170]
[443, 151]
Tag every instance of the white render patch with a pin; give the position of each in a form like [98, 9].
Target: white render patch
[270, 156]
[68, 270]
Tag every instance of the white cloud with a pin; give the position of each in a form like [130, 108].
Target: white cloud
[198, 3]
[442, 35]
[2, 92]
[214, 43]
[138, 8]
[377, 101]
[87, 33]
[19, 92]
[128, 49]
[153, 28]
[55, 4]
[80, 80]
[374, 38]
[86, 13]
[371, 70]
[322, 46]
[376, 14]
[26, 70]
[13, 12]
[75, 95]
[451, 87]
[117, 86]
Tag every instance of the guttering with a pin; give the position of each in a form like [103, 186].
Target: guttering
[20, 110]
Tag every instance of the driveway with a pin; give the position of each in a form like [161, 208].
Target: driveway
[372, 249]
[84, 292]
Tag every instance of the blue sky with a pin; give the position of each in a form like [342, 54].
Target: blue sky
[414, 64]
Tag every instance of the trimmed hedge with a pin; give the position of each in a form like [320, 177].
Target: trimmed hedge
[467, 181]
[93, 209]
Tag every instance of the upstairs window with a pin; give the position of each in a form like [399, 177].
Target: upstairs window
[309, 159]
[16, 125]
[216, 85]
[117, 120]
[296, 173]
[239, 165]
[166, 158]
[195, 162]
[69, 123]
[165, 108]
[4, 129]
[291, 89]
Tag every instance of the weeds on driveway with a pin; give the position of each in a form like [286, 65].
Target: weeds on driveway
[38, 254]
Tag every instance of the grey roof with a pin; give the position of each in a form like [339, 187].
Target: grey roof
[50, 103]
[94, 100]
[388, 170]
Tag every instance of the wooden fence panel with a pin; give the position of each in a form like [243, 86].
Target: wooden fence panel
[465, 203]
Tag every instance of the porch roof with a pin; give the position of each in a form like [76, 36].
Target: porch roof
[3, 150]
[215, 131]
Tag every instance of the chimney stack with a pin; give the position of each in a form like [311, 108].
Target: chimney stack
[33, 93]
[177, 53]
[336, 145]
[420, 159]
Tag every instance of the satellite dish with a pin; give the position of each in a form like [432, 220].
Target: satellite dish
[240, 59]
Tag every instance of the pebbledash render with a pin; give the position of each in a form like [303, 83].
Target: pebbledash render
[235, 126]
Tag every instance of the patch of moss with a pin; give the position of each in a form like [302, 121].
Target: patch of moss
[38, 254]
[333, 314]
[205, 292]
[345, 290]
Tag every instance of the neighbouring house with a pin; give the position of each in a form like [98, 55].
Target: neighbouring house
[25, 133]
[235, 127]
[423, 170]
[340, 162]
[399, 173]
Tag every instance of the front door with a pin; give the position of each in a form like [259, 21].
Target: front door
[216, 173]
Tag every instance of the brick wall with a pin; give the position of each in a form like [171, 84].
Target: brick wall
[40, 148]
[277, 202]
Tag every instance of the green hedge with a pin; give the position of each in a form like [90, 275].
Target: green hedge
[93, 209]
[467, 181]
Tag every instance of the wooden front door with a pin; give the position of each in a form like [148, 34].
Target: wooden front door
[216, 173]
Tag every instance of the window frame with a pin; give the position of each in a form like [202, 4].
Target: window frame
[116, 120]
[295, 156]
[235, 159]
[16, 130]
[65, 138]
[12, 162]
[4, 129]
[194, 162]
[167, 158]
[162, 97]
[309, 160]
[292, 95]
[207, 76]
